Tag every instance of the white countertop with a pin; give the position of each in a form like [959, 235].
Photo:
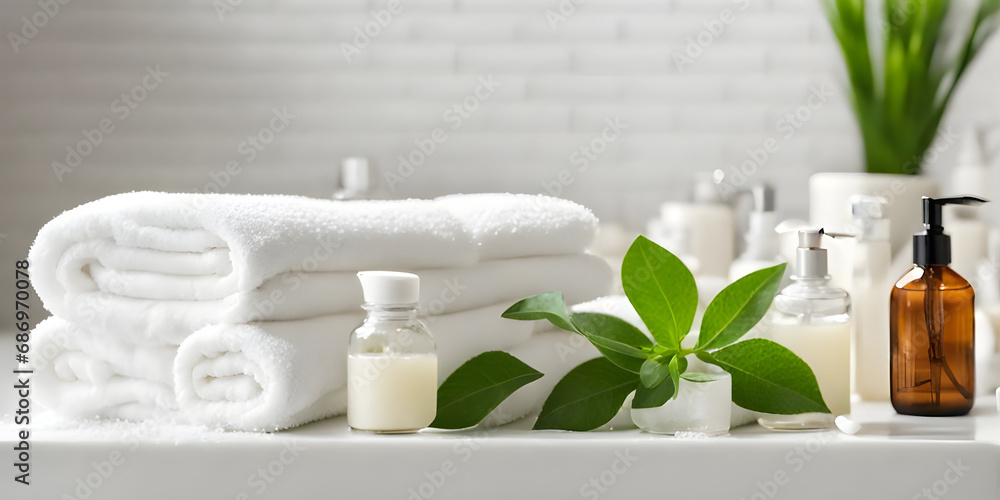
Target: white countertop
[892, 457]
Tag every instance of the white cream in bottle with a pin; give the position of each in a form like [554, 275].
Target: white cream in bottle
[392, 360]
[812, 319]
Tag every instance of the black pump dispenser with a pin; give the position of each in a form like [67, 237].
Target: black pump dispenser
[932, 247]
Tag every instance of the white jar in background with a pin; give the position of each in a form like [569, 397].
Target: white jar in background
[699, 232]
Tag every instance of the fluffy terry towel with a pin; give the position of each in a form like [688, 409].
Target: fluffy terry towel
[84, 375]
[116, 256]
[149, 314]
[270, 376]
[255, 376]
[224, 244]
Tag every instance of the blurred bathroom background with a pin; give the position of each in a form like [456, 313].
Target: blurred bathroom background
[246, 96]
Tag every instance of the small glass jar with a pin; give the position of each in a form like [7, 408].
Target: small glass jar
[703, 407]
[391, 359]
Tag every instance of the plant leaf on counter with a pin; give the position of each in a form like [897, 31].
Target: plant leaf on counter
[655, 397]
[769, 378]
[654, 371]
[676, 366]
[588, 397]
[738, 307]
[550, 306]
[618, 340]
[662, 290]
[699, 378]
[473, 390]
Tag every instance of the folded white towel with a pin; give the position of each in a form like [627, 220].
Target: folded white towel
[507, 225]
[127, 299]
[292, 296]
[225, 247]
[225, 244]
[83, 375]
[274, 375]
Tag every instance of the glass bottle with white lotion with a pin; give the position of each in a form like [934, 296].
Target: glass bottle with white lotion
[391, 360]
[812, 319]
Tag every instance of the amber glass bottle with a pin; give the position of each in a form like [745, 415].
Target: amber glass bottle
[932, 365]
[932, 339]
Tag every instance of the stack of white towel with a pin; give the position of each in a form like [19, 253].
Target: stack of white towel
[235, 311]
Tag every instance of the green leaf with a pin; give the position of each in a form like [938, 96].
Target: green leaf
[738, 307]
[655, 397]
[654, 371]
[699, 378]
[472, 391]
[677, 365]
[768, 378]
[588, 397]
[662, 290]
[899, 108]
[617, 339]
[550, 306]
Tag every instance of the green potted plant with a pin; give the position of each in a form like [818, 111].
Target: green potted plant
[902, 70]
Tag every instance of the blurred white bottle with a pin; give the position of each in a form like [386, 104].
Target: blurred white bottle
[761, 238]
[699, 232]
[869, 285]
[969, 234]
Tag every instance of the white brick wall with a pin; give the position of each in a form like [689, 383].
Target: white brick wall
[610, 58]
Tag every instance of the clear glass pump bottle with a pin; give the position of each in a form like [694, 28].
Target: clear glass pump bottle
[812, 319]
[391, 360]
[932, 326]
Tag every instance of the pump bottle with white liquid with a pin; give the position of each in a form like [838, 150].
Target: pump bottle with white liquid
[812, 319]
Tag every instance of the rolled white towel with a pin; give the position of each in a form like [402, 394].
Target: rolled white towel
[85, 375]
[275, 375]
[127, 300]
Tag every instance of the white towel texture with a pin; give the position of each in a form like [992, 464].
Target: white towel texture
[224, 244]
[273, 375]
[234, 310]
[168, 264]
[155, 308]
[83, 375]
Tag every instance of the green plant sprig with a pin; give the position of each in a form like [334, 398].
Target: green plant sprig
[766, 376]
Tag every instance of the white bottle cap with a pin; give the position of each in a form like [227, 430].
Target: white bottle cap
[355, 174]
[390, 287]
[811, 261]
[869, 217]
